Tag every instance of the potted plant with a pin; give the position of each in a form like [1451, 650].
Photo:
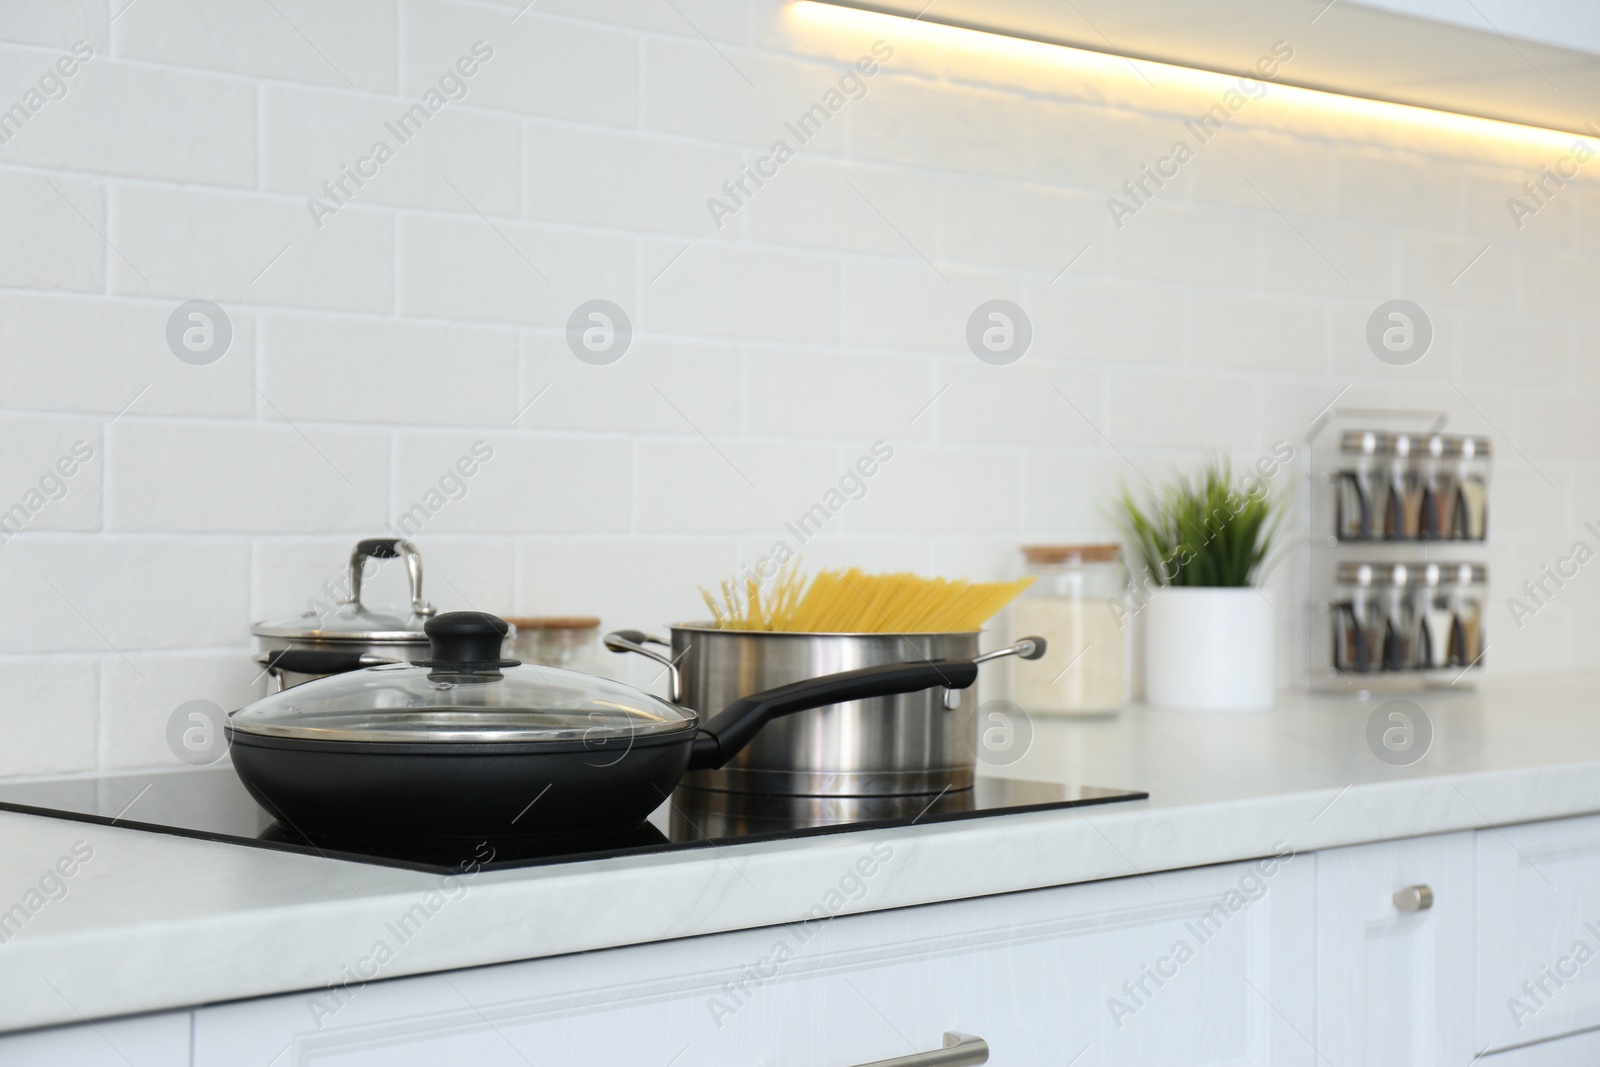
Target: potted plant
[1209, 629]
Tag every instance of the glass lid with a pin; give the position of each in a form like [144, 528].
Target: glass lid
[464, 693]
[349, 622]
[352, 620]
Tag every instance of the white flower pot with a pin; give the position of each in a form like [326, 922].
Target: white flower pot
[1210, 648]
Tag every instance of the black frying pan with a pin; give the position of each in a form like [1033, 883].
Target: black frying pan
[513, 788]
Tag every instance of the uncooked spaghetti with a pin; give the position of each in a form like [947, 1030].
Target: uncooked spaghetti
[853, 601]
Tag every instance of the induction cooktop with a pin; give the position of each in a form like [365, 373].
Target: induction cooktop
[212, 805]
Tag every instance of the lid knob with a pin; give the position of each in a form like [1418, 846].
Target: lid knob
[466, 638]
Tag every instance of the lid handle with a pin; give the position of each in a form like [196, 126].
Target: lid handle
[466, 640]
[389, 548]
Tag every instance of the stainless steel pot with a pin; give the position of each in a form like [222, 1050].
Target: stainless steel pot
[910, 744]
[348, 635]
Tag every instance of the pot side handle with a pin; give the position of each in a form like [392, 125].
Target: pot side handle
[318, 661]
[719, 740]
[635, 641]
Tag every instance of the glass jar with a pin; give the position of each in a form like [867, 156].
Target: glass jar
[1079, 604]
[1398, 606]
[571, 642]
[1466, 589]
[1403, 511]
[1472, 490]
[1363, 486]
[1436, 619]
[1439, 488]
[1359, 630]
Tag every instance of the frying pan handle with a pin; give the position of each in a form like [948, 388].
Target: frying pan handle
[719, 740]
[635, 641]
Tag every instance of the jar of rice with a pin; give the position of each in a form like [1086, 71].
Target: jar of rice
[1079, 604]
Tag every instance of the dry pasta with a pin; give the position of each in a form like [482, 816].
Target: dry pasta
[853, 601]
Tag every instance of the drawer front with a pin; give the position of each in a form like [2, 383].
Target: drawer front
[1395, 986]
[1091, 975]
[145, 1041]
[1538, 931]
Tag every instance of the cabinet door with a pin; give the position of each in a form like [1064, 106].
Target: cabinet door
[1395, 986]
[145, 1041]
[1538, 931]
[1090, 975]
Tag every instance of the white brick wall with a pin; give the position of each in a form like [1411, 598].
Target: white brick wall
[371, 353]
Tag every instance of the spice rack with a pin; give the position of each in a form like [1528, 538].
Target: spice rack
[1396, 515]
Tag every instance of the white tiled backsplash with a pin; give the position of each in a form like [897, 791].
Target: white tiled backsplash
[827, 312]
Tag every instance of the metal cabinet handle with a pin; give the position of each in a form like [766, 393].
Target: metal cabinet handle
[1414, 898]
[960, 1050]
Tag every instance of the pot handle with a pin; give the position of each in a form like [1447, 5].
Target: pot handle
[719, 740]
[389, 548]
[318, 661]
[635, 641]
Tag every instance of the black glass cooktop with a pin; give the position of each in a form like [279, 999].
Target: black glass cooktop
[212, 805]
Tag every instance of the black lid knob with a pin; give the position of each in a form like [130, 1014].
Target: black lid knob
[466, 639]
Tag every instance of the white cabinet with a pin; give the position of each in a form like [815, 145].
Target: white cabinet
[1240, 964]
[1539, 933]
[1395, 986]
[145, 1041]
[1193, 968]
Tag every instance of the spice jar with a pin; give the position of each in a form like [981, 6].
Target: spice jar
[1466, 591]
[1472, 489]
[1363, 486]
[1440, 470]
[571, 642]
[1079, 604]
[1436, 619]
[1403, 512]
[1358, 637]
[1400, 620]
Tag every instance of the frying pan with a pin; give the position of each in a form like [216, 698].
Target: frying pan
[467, 744]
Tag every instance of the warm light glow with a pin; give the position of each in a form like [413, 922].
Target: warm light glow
[1152, 83]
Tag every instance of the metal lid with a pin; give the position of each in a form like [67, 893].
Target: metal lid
[463, 694]
[1411, 575]
[1455, 574]
[1438, 445]
[1366, 443]
[353, 621]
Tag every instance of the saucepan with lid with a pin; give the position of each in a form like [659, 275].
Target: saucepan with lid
[349, 635]
[465, 743]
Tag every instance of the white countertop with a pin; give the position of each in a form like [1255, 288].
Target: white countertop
[155, 922]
